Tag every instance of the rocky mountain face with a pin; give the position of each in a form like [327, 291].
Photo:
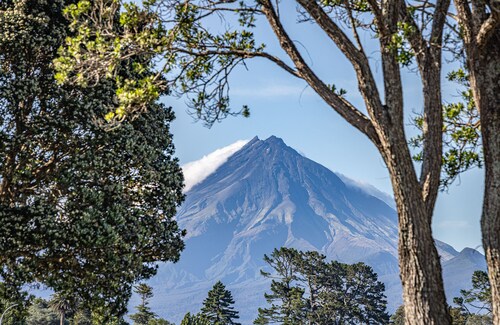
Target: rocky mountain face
[266, 195]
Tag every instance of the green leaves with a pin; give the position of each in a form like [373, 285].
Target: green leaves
[169, 54]
[461, 133]
[144, 314]
[399, 44]
[307, 290]
[84, 209]
[217, 307]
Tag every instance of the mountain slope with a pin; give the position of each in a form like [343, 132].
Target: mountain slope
[266, 195]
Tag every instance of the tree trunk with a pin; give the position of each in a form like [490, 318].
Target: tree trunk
[420, 268]
[62, 319]
[490, 220]
[485, 84]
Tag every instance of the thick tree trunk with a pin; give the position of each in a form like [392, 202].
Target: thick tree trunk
[485, 83]
[490, 220]
[420, 268]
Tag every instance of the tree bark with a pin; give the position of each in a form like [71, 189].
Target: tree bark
[420, 267]
[482, 47]
[485, 84]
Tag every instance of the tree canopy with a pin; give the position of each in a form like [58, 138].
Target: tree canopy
[218, 307]
[84, 209]
[306, 289]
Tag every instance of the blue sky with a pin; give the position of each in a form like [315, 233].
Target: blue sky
[284, 106]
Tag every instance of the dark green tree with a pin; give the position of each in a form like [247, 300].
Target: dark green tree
[363, 298]
[218, 306]
[14, 303]
[308, 290]
[85, 208]
[144, 314]
[81, 316]
[159, 321]
[288, 305]
[45, 312]
[190, 319]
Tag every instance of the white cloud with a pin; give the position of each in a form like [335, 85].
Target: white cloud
[197, 171]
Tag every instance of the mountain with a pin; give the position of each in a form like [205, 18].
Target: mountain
[265, 195]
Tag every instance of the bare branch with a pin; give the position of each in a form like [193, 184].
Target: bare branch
[366, 81]
[339, 104]
[354, 27]
[439, 19]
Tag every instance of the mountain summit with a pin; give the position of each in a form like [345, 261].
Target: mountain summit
[267, 195]
[264, 196]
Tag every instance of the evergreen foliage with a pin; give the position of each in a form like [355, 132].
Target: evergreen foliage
[398, 318]
[159, 321]
[197, 319]
[144, 314]
[474, 305]
[40, 313]
[461, 133]
[84, 209]
[307, 290]
[217, 307]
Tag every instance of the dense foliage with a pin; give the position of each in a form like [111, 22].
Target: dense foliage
[194, 319]
[217, 307]
[197, 60]
[84, 210]
[307, 290]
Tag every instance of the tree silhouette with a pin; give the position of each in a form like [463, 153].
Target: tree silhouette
[144, 314]
[217, 307]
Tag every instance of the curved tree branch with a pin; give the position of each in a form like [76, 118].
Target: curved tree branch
[350, 113]
[357, 57]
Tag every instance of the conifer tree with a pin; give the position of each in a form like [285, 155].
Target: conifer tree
[190, 319]
[307, 290]
[286, 299]
[144, 314]
[217, 307]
